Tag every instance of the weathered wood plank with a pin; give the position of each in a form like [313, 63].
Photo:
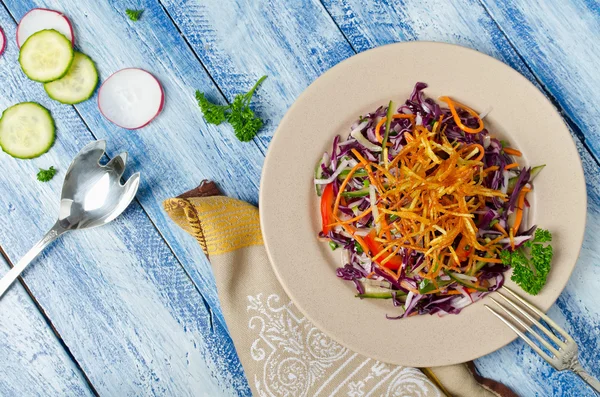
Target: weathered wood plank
[292, 42]
[119, 298]
[178, 149]
[369, 24]
[559, 42]
[34, 363]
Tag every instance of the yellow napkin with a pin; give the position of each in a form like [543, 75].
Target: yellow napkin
[282, 353]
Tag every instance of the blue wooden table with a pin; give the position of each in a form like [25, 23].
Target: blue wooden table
[131, 308]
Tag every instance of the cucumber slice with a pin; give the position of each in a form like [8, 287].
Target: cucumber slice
[46, 56]
[534, 172]
[26, 130]
[78, 84]
[357, 193]
[464, 282]
[359, 173]
[375, 295]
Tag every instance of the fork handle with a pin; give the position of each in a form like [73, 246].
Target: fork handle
[583, 374]
[16, 271]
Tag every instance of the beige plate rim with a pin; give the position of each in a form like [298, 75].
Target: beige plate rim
[289, 207]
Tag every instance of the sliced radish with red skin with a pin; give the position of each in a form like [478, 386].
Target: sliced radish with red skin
[131, 98]
[2, 41]
[42, 19]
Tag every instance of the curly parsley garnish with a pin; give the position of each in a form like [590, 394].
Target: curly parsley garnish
[243, 120]
[530, 270]
[134, 15]
[46, 175]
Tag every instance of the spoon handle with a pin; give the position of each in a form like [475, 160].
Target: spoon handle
[16, 271]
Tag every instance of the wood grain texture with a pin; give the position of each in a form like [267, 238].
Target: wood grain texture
[293, 42]
[369, 24]
[559, 42]
[34, 363]
[130, 315]
[178, 149]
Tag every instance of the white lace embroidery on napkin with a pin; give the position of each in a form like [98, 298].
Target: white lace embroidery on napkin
[300, 361]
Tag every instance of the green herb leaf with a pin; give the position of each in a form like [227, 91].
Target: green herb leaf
[359, 249]
[243, 120]
[214, 114]
[134, 15]
[542, 236]
[333, 245]
[531, 270]
[46, 175]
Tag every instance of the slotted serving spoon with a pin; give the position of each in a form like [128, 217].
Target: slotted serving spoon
[92, 195]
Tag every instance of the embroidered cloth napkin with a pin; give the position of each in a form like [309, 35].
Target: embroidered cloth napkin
[282, 353]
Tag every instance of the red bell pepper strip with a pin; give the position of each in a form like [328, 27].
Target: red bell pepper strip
[375, 247]
[327, 201]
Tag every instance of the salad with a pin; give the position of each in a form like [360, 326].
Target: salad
[429, 209]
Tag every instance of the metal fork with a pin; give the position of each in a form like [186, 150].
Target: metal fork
[564, 351]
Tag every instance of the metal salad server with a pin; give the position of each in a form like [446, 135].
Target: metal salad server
[92, 195]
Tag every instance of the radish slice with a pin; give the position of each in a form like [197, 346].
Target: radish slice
[2, 41]
[41, 19]
[131, 98]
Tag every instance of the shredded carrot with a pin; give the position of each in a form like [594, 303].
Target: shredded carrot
[512, 239]
[499, 227]
[491, 169]
[519, 211]
[483, 259]
[342, 187]
[511, 166]
[512, 152]
[351, 231]
[479, 148]
[388, 271]
[384, 119]
[452, 105]
[495, 241]
[351, 220]
[453, 292]
[378, 127]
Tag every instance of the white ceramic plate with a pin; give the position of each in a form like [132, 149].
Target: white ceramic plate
[289, 208]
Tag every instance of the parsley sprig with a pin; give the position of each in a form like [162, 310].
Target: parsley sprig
[46, 175]
[243, 120]
[134, 15]
[530, 269]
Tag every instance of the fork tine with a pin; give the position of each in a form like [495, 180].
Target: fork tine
[133, 183]
[521, 334]
[545, 330]
[541, 314]
[94, 150]
[117, 164]
[527, 327]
